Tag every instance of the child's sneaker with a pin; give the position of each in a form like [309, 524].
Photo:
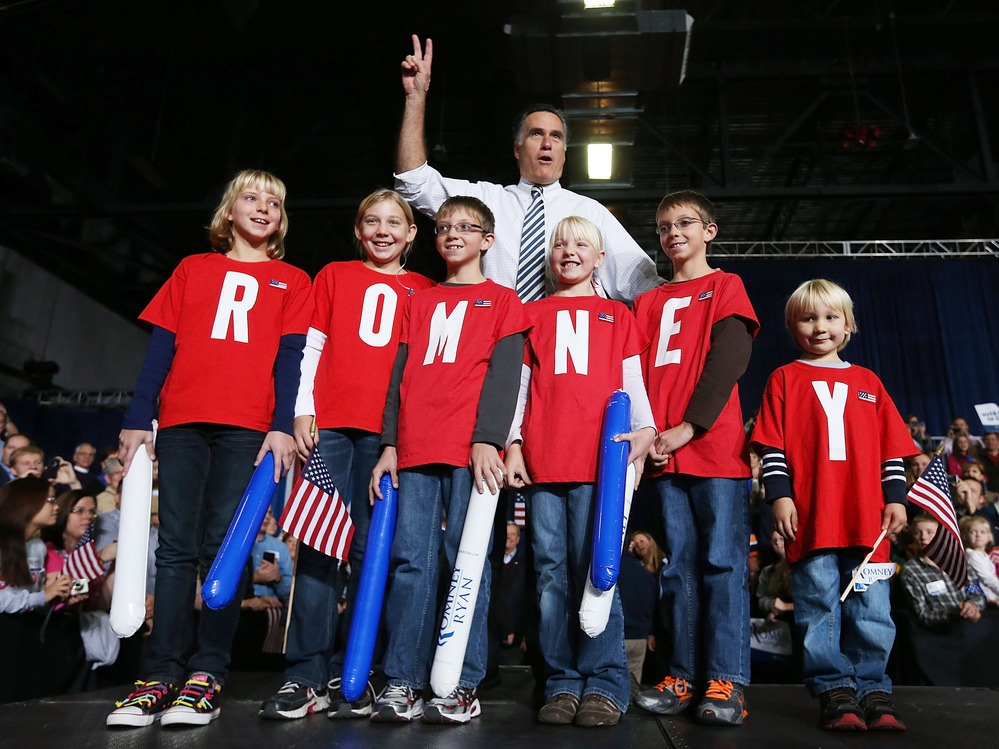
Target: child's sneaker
[596, 710]
[144, 705]
[294, 700]
[458, 707]
[879, 713]
[559, 710]
[193, 707]
[724, 704]
[839, 711]
[359, 708]
[397, 704]
[671, 696]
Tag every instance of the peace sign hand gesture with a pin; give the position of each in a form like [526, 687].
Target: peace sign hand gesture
[416, 68]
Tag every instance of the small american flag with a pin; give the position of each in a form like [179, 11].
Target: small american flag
[278, 284]
[84, 564]
[705, 295]
[519, 510]
[865, 396]
[605, 317]
[932, 494]
[483, 303]
[315, 513]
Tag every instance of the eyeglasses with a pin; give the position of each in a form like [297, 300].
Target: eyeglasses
[460, 228]
[681, 224]
[82, 510]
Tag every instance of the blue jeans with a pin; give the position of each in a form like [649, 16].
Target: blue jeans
[412, 600]
[203, 472]
[350, 455]
[846, 644]
[706, 579]
[561, 522]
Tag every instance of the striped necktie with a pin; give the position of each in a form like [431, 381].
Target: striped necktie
[531, 268]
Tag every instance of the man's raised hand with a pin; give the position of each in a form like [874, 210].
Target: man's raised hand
[416, 68]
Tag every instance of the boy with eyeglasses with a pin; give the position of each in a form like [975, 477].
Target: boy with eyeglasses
[702, 326]
[449, 407]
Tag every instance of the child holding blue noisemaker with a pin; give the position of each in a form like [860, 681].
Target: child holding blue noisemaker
[581, 349]
[223, 360]
[352, 342]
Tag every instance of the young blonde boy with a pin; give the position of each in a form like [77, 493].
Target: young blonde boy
[833, 447]
[450, 403]
[701, 325]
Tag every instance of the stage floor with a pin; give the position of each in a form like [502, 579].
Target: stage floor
[779, 716]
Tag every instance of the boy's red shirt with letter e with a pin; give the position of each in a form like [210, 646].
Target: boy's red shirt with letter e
[450, 332]
[228, 318]
[836, 427]
[677, 318]
[576, 351]
[360, 311]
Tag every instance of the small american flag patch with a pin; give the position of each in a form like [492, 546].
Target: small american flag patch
[705, 295]
[865, 396]
[278, 284]
[483, 303]
[605, 317]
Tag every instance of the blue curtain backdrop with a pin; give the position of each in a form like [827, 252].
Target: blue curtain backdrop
[928, 328]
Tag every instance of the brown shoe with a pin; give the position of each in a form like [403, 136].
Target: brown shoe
[597, 710]
[559, 710]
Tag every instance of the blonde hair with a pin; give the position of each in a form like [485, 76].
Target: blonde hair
[373, 199]
[969, 520]
[827, 292]
[220, 230]
[580, 228]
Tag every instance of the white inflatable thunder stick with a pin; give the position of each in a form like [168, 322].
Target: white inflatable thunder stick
[594, 610]
[128, 597]
[452, 640]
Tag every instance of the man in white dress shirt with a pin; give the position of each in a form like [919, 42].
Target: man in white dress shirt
[540, 151]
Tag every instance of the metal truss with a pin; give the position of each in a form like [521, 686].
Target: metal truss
[116, 399]
[878, 248]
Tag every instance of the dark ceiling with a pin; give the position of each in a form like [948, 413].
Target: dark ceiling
[120, 121]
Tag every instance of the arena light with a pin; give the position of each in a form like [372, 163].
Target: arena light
[598, 4]
[599, 160]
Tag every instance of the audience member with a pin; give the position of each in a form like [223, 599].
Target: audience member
[989, 458]
[272, 569]
[917, 428]
[961, 453]
[977, 536]
[639, 590]
[83, 461]
[13, 443]
[647, 551]
[773, 594]
[31, 669]
[958, 426]
[934, 599]
[111, 478]
[27, 461]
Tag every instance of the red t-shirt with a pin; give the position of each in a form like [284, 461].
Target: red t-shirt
[836, 427]
[228, 318]
[576, 350]
[450, 332]
[360, 312]
[677, 318]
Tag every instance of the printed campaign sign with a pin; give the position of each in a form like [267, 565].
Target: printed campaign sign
[988, 414]
[872, 573]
